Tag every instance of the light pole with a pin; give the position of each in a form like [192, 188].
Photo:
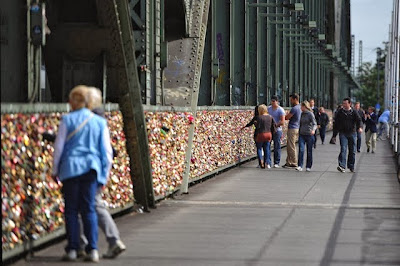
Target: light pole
[378, 56]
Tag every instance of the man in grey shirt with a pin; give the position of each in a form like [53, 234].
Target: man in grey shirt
[278, 113]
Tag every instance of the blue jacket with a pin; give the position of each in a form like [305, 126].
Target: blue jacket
[370, 123]
[87, 149]
[385, 117]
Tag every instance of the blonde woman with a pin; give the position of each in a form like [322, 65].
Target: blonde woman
[265, 125]
[308, 125]
[82, 161]
[106, 222]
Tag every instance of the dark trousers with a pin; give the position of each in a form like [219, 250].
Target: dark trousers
[79, 196]
[322, 133]
[306, 140]
[358, 141]
[266, 148]
[347, 141]
[277, 147]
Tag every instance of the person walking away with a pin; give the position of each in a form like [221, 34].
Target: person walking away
[361, 113]
[323, 123]
[82, 160]
[106, 222]
[293, 131]
[333, 139]
[347, 123]
[384, 123]
[278, 113]
[371, 129]
[265, 125]
[315, 111]
[253, 123]
[308, 125]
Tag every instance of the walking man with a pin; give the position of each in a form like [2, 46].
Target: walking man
[323, 123]
[371, 129]
[278, 114]
[293, 131]
[361, 113]
[315, 111]
[347, 123]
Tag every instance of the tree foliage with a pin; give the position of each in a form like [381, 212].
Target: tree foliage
[368, 79]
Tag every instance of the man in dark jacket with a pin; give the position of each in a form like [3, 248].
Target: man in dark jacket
[347, 123]
[323, 123]
[362, 116]
[371, 129]
[315, 111]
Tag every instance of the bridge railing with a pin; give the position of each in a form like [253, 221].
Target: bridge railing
[33, 201]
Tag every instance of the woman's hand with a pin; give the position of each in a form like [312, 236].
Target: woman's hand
[312, 132]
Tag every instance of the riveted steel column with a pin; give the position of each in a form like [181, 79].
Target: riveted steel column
[237, 57]
[130, 104]
[291, 67]
[278, 86]
[199, 20]
[247, 68]
[302, 72]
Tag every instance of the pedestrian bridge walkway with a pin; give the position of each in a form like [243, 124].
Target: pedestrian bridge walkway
[252, 216]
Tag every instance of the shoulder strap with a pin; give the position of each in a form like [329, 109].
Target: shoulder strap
[70, 135]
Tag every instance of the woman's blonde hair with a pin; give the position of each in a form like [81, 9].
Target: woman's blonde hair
[262, 109]
[94, 98]
[306, 104]
[78, 97]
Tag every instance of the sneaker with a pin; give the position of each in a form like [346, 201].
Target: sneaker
[115, 250]
[70, 256]
[289, 166]
[341, 169]
[299, 169]
[81, 253]
[358, 151]
[308, 169]
[352, 170]
[93, 256]
[276, 165]
[368, 150]
[268, 166]
[373, 151]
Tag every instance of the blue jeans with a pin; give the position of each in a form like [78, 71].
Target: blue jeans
[266, 147]
[347, 140]
[322, 132]
[303, 141]
[79, 196]
[358, 141]
[277, 147]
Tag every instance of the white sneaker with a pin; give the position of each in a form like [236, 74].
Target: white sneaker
[276, 166]
[308, 169]
[115, 250]
[70, 256]
[299, 169]
[93, 256]
[268, 166]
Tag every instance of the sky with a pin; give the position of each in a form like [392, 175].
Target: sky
[370, 20]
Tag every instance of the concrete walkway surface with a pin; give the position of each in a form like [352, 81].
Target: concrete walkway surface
[251, 216]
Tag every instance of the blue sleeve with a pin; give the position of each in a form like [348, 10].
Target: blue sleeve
[106, 153]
